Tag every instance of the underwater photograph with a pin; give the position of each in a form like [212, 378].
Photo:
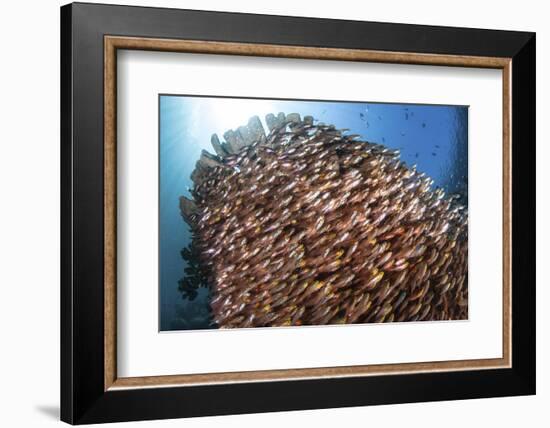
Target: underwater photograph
[279, 212]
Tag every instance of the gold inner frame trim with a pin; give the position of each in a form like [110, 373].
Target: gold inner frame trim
[113, 43]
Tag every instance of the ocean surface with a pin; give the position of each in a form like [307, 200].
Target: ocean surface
[433, 137]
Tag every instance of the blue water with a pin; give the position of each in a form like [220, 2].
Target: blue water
[433, 137]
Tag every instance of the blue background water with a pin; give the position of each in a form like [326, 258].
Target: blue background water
[433, 137]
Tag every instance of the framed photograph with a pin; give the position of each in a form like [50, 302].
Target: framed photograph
[265, 213]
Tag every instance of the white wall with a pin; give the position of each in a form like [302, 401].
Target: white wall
[29, 213]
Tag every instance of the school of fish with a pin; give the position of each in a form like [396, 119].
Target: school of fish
[310, 226]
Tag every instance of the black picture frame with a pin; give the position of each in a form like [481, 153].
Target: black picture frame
[83, 396]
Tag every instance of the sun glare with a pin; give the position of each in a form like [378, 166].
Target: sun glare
[232, 113]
